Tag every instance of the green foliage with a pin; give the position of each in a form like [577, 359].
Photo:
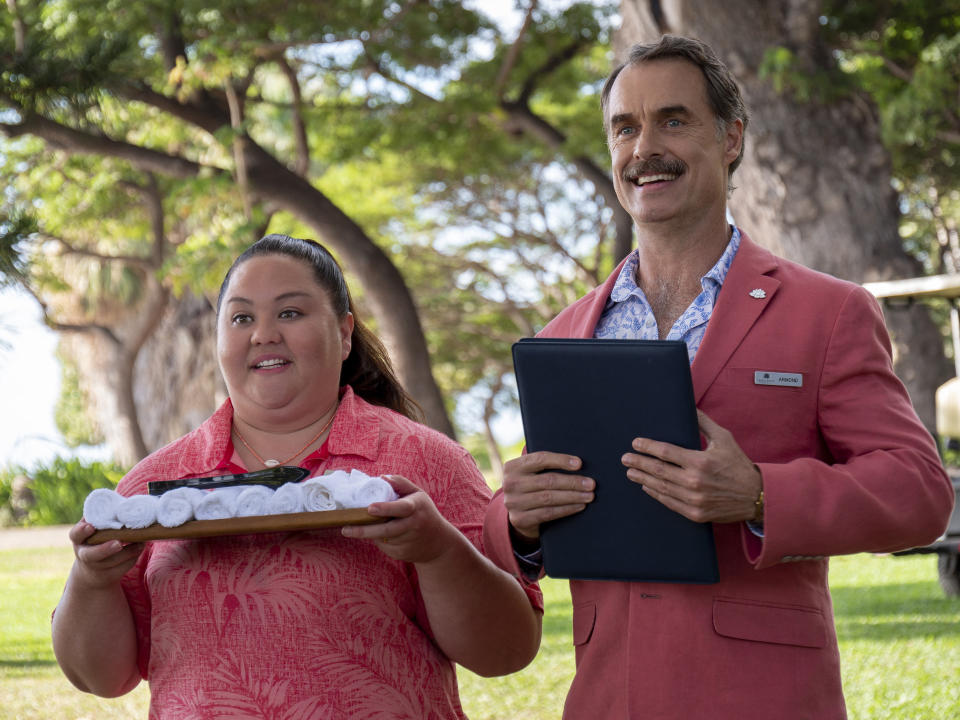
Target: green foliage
[72, 412]
[39, 81]
[790, 77]
[905, 54]
[15, 228]
[401, 108]
[501, 255]
[60, 488]
[477, 447]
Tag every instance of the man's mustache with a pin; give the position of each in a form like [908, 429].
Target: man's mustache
[653, 166]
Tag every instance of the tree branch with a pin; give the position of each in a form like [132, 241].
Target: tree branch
[510, 60]
[302, 162]
[203, 111]
[588, 275]
[896, 70]
[154, 201]
[69, 327]
[69, 248]
[236, 122]
[149, 317]
[553, 62]
[950, 136]
[72, 140]
[656, 12]
[19, 28]
[375, 66]
[525, 120]
[171, 38]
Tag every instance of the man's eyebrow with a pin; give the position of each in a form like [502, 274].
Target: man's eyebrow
[673, 110]
[621, 118]
[629, 117]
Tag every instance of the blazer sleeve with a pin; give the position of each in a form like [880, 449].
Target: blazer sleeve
[499, 550]
[882, 487]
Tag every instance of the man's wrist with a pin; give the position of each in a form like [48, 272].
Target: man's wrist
[758, 503]
[758, 509]
[523, 545]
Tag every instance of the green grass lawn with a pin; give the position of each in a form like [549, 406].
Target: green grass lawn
[899, 642]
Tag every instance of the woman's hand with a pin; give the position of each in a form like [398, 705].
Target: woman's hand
[479, 615]
[100, 566]
[417, 532]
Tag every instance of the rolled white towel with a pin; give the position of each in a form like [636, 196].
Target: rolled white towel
[318, 494]
[288, 498]
[366, 490]
[100, 509]
[138, 511]
[252, 500]
[336, 477]
[176, 506]
[356, 489]
[217, 504]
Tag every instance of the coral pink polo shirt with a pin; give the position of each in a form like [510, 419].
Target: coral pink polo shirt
[304, 624]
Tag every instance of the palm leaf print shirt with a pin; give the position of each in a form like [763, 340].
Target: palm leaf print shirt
[300, 625]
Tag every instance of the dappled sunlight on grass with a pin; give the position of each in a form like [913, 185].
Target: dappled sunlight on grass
[899, 644]
[537, 692]
[899, 638]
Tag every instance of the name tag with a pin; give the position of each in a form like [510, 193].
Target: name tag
[766, 377]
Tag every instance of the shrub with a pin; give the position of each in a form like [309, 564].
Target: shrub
[58, 490]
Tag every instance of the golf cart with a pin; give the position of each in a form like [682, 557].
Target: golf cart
[947, 547]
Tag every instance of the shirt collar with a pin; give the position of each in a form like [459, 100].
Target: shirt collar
[626, 283]
[718, 273]
[355, 431]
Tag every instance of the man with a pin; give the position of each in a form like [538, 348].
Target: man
[811, 446]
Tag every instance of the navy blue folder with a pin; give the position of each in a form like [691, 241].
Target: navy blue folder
[591, 398]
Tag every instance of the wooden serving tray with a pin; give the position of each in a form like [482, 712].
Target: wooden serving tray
[240, 526]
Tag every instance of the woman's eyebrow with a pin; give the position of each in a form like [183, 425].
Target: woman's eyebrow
[278, 298]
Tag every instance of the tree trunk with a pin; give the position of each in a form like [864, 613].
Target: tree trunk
[814, 185]
[178, 380]
[144, 397]
[390, 300]
[493, 449]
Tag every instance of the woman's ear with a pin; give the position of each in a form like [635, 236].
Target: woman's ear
[346, 335]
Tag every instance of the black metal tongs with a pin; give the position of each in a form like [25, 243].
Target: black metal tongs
[271, 477]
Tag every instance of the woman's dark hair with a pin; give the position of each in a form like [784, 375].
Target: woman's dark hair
[723, 93]
[367, 368]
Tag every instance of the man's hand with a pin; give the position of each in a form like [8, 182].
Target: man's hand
[533, 494]
[716, 484]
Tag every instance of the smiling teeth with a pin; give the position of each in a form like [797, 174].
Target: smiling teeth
[270, 363]
[654, 178]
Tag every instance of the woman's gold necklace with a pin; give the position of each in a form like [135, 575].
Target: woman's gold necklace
[270, 462]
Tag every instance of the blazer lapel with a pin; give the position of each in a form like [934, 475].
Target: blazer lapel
[737, 309]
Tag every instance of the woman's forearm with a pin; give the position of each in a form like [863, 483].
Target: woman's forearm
[94, 638]
[480, 615]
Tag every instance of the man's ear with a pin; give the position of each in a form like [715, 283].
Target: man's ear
[733, 140]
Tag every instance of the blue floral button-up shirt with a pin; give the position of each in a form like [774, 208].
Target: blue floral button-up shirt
[628, 315]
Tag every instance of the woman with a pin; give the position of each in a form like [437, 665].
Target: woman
[365, 621]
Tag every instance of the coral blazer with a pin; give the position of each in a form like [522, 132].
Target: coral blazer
[847, 467]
